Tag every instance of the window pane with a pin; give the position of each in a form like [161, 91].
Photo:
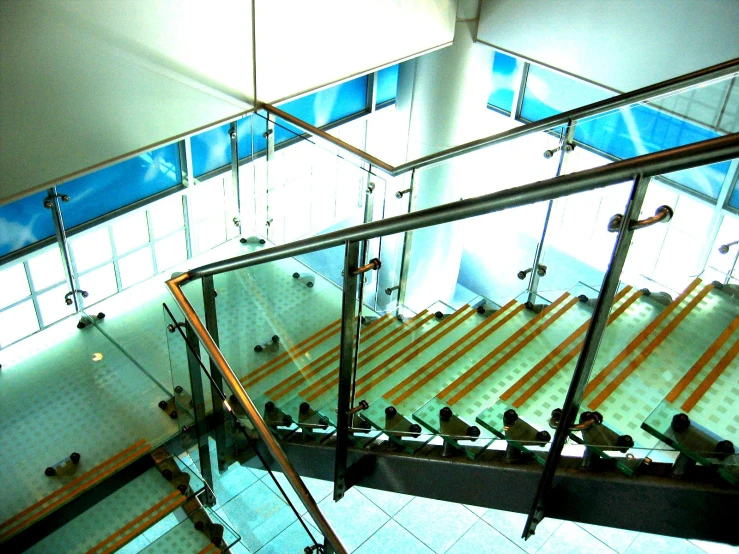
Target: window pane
[244, 131]
[46, 268]
[211, 150]
[14, 284]
[548, 93]
[130, 232]
[91, 248]
[166, 216]
[387, 84]
[17, 322]
[324, 107]
[99, 283]
[24, 222]
[505, 73]
[136, 267]
[52, 305]
[170, 251]
[122, 184]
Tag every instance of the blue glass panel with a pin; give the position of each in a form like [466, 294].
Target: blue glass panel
[639, 129]
[324, 107]
[119, 185]
[211, 150]
[244, 131]
[625, 133]
[387, 84]
[24, 222]
[734, 198]
[505, 69]
[548, 93]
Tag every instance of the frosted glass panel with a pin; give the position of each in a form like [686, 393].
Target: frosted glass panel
[91, 248]
[52, 305]
[99, 283]
[166, 216]
[136, 267]
[170, 251]
[46, 268]
[17, 322]
[14, 284]
[130, 232]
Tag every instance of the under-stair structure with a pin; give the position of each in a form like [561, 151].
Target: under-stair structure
[545, 401]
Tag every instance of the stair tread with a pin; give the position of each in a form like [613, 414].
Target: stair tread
[645, 379]
[112, 514]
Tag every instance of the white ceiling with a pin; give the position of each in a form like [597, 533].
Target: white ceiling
[84, 82]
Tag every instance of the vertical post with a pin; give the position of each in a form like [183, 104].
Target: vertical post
[585, 361]
[346, 365]
[407, 240]
[534, 279]
[219, 418]
[198, 407]
[52, 203]
[234, 135]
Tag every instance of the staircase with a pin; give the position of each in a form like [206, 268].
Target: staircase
[478, 375]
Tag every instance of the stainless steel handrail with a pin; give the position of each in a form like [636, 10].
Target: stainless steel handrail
[596, 108]
[684, 157]
[252, 412]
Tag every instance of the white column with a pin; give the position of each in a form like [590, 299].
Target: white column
[445, 97]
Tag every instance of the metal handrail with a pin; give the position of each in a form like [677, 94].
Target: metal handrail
[596, 108]
[683, 157]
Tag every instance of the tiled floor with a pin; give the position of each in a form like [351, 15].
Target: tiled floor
[369, 520]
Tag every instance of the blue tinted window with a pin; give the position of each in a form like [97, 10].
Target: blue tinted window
[387, 85]
[122, 184]
[632, 131]
[548, 93]
[505, 70]
[24, 222]
[734, 198]
[211, 150]
[324, 107]
[244, 130]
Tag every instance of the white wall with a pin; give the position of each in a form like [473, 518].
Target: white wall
[623, 44]
[83, 82]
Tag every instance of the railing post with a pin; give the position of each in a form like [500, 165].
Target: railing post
[567, 139]
[198, 408]
[346, 365]
[405, 258]
[219, 417]
[585, 361]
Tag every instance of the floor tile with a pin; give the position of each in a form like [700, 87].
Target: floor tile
[353, 518]
[258, 515]
[646, 543]
[483, 539]
[389, 502]
[318, 488]
[715, 547]
[617, 539]
[511, 525]
[393, 538]
[438, 524]
[574, 540]
[232, 482]
[292, 540]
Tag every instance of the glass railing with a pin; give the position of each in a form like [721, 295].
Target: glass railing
[449, 364]
[461, 352]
